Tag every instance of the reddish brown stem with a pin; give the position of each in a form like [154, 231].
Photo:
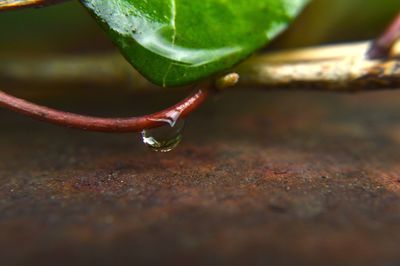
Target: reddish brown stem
[6, 5]
[381, 47]
[110, 125]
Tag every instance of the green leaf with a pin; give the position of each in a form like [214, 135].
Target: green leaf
[177, 42]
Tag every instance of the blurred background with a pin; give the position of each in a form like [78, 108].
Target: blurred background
[333, 21]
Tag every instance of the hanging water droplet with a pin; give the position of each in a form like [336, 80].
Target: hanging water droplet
[165, 138]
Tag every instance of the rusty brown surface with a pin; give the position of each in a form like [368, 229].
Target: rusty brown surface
[260, 179]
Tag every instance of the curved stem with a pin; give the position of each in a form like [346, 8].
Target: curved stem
[6, 5]
[382, 46]
[111, 125]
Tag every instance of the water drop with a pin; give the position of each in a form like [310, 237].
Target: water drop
[165, 138]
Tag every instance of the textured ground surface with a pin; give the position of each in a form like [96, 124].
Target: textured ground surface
[261, 178]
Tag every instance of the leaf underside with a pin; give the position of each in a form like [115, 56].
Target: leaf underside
[178, 42]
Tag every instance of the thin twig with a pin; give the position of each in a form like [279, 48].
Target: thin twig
[6, 5]
[110, 125]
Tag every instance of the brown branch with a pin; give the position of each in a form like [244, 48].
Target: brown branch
[334, 72]
[6, 5]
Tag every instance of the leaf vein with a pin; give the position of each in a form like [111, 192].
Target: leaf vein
[173, 20]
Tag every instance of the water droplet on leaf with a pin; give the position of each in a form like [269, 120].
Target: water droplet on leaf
[165, 138]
